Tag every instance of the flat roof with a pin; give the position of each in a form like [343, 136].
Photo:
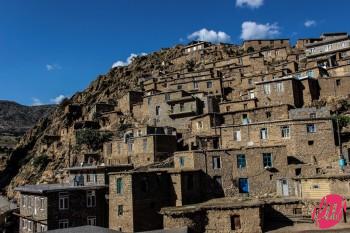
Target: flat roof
[46, 188]
[157, 170]
[326, 176]
[97, 167]
[266, 39]
[227, 203]
[84, 229]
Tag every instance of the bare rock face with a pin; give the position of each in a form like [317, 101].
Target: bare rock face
[15, 121]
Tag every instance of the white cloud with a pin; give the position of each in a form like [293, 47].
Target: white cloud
[128, 60]
[310, 23]
[249, 3]
[58, 99]
[51, 67]
[252, 30]
[209, 36]
[36, 102]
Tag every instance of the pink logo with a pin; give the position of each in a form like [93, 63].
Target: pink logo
[330, 211]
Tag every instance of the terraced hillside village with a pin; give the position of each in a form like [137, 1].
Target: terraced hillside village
[203, 137]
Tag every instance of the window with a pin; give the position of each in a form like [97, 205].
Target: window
[245, 119]
[268, 115]
[267, 159]
[119, 185]
[179, 87]
[310, 143]
[63, 201]
[250, 81]
[263, 134]
[91, 221]
[228, 108]
[24, 200]
[43, 228]
[182, 107]
[30, 225]
[237, 136]
[167, 96]
[29, 201]
[251, 94]
[63, 223]
[285, 131]
[243, 185]
[195, 85]
[42, 203]
[279, 87]
[149, 100]
[235, 222]
[313, 115]
[182, 161]
[157, 110]
[120, 210]
[209, 84]
[245, 106]
[241, 161]
[130, 146]
[311, 128]
[199, 125]
[24, 223]
[267, 89]
[216, 162]
[338, 82]
[218, 180]
[91, 199]
[144, 144]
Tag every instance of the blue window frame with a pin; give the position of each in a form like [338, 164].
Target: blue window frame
[243, 185]
[241, 161]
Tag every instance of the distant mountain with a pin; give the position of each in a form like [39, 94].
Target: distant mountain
[16, 119]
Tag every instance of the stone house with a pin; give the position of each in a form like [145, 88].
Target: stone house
[249, 171]
[304, 138]
[234, 215]
[196, 46]
[217, 215]
[141, 146]
[238, 105]
[98, 109]
[93, 174]
[327, 45]
[174, 108]
[48, 207]
[259, 44]
[334, 86]
[279, 91]
[136, 197]
[254, 115]
[205, 124]
[125, 104]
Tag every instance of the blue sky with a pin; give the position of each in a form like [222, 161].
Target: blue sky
[53, 48]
